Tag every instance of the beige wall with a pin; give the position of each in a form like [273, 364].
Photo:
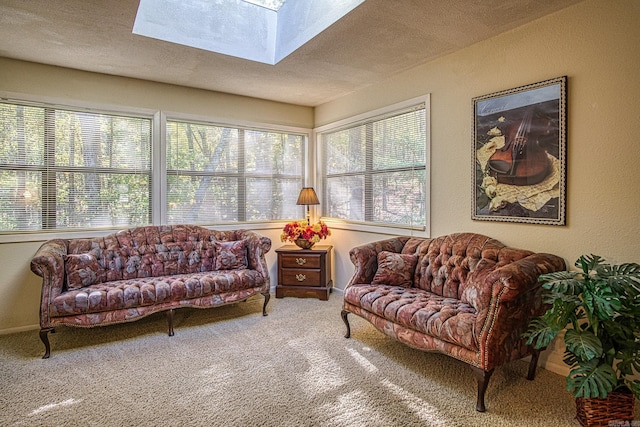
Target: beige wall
[92, 88]
[596, 44]
[19, 287]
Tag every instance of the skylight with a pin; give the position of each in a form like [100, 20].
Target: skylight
[248, 29]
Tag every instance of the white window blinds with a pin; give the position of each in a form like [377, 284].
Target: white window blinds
[221, 174]
[63, 169]
[375, 170]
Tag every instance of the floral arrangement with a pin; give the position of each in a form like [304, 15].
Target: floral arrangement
[303, 229]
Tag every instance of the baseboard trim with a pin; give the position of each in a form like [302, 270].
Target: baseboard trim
[19, 329]
[556, 368]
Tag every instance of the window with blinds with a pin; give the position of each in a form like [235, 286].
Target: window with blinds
[63, 169]
[220, 174]
[375, 169]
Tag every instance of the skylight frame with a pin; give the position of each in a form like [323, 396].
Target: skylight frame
[239, 28]
[274, 5]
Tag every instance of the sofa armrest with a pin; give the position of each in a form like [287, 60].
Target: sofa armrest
[257, 247]
[48, 263]
[516, 297]
[514, 279]
[365, 257]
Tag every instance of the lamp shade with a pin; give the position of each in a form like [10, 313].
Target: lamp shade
[308, 197]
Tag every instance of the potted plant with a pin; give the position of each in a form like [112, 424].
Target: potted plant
[599, 306]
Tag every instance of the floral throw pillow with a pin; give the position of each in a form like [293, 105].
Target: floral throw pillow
[82, 270]
[395, 269]
[231, 255]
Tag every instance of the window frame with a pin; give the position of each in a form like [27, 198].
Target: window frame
[166, 116]
[158, 159]
[46, 102]
[422, 230]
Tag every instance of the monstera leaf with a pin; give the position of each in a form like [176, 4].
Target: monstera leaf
[603, 302]
[592, 380]
[588, 263]
[583, 344]
[629, 360]
[540, 333]
[562, 283]
[623, 278]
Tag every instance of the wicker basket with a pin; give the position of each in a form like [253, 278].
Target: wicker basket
[615, 409]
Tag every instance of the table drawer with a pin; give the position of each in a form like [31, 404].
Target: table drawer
[300, 261]
[300, 277]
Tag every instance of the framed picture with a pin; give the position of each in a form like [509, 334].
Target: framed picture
[520, 154]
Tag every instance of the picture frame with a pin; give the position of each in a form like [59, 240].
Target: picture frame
[519, 154]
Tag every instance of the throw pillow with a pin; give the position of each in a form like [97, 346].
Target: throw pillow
[231, 255]
[82, 270]
[395, 269]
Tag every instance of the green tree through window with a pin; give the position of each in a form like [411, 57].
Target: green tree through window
[375, 169]
[221, 174]
[62, 169]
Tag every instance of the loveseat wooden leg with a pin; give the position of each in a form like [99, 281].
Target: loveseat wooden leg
[483, 378]
[533, 365]
[344, 314]
[44, 337]
[170, 321]
[267, 297]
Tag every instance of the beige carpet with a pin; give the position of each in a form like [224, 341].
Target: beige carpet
[230, 366]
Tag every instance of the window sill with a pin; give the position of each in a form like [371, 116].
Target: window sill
[379, 229]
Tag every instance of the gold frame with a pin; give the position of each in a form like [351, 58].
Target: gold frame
[519, 154]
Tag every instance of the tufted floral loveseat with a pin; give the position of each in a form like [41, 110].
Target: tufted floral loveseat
[465, 295]
[132, 273]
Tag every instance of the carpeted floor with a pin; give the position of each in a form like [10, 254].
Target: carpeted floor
[230, 366]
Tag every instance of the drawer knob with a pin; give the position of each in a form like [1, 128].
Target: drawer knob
[301, 277]
[301, 261]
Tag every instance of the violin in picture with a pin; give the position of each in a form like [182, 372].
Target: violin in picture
[523, 160]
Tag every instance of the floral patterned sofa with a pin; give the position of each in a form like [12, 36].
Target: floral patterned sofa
[465, 295]
[132, 273]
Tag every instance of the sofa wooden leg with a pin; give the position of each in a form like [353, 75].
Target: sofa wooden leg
[267, 297]
[170, 321]
[483, 378]
[344, 314]
[44, 337]
[533, 365]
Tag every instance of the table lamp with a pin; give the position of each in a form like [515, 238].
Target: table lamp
[308, 197]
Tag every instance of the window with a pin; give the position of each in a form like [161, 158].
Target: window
[71, 169]
[375, 168]
[221, 174]
[64, 169]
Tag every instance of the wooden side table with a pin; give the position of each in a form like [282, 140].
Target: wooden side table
[304, 272]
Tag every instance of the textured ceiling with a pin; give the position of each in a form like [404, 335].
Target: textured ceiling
[375, 41]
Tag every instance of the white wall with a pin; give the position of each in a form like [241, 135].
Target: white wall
[596, 44]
